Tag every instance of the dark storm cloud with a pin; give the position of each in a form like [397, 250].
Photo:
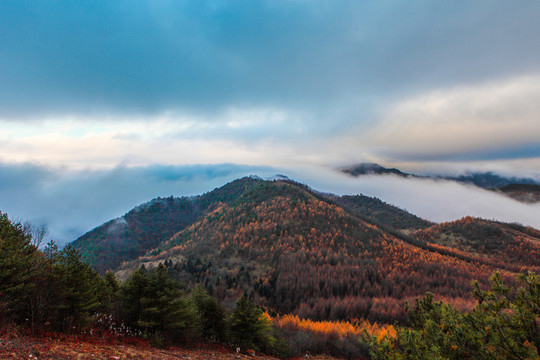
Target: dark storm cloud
[152, 56]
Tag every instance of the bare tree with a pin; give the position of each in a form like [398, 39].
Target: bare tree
[37, 233]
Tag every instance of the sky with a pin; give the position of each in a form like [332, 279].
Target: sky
[106, 104]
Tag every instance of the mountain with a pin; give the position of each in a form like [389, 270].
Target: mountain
[317, 255]
[148, 225]
[488, 180]
[522, 189]
[526, 193]
[370, 169]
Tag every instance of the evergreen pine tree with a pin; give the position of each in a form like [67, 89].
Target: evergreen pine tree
[211, 315]
[132, 292]
[249, 327]
[77, 286]
[19, 265]
[503, 325]
[108, 293]
[154, 302]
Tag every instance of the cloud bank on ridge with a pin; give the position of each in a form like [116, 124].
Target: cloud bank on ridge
[73, 204]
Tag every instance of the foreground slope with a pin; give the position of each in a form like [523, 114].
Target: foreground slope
[298, 251]
[65, 347]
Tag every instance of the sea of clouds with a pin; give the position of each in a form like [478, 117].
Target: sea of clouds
[71, 203]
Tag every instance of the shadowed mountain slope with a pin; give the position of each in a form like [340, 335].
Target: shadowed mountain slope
[377, 211]
[148, 225]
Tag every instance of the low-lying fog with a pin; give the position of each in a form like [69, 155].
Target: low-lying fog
[72, 203]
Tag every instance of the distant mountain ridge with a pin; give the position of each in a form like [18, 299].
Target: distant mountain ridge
[522, 189]
[371, 168]
[299, 251]
[487, 180]
[527, 193]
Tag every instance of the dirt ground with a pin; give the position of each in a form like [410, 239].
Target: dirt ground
[63, 348]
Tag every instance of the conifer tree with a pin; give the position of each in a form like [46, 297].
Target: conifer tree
[19, 264]
[77, 286]
[154, 302]
[503, 325]
[109, 293]
[211, 315]
[132, 292]
[164, 307]
[249, 327]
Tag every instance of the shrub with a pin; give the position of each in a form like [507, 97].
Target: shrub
[503, 325]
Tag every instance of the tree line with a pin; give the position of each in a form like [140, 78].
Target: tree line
[54, 290]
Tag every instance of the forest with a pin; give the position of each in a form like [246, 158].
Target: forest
[52, 290]
[323, 257]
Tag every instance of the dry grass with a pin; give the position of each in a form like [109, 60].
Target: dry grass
[60, 347]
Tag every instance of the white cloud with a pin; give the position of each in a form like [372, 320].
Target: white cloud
[459, 120]
[73, 202]
[242, 135]
[435, 200]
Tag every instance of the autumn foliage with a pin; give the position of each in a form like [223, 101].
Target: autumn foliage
[339, 338]
[296, 251]
[339, 271]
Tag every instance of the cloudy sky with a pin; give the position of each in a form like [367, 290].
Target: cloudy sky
[105, 104]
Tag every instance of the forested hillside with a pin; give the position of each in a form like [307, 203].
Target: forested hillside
[505, 246]
[147, 226]
[310, 261]
[325, 257]
[150, 224]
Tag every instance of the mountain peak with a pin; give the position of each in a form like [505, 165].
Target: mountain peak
[371, 168]
[295, 250]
